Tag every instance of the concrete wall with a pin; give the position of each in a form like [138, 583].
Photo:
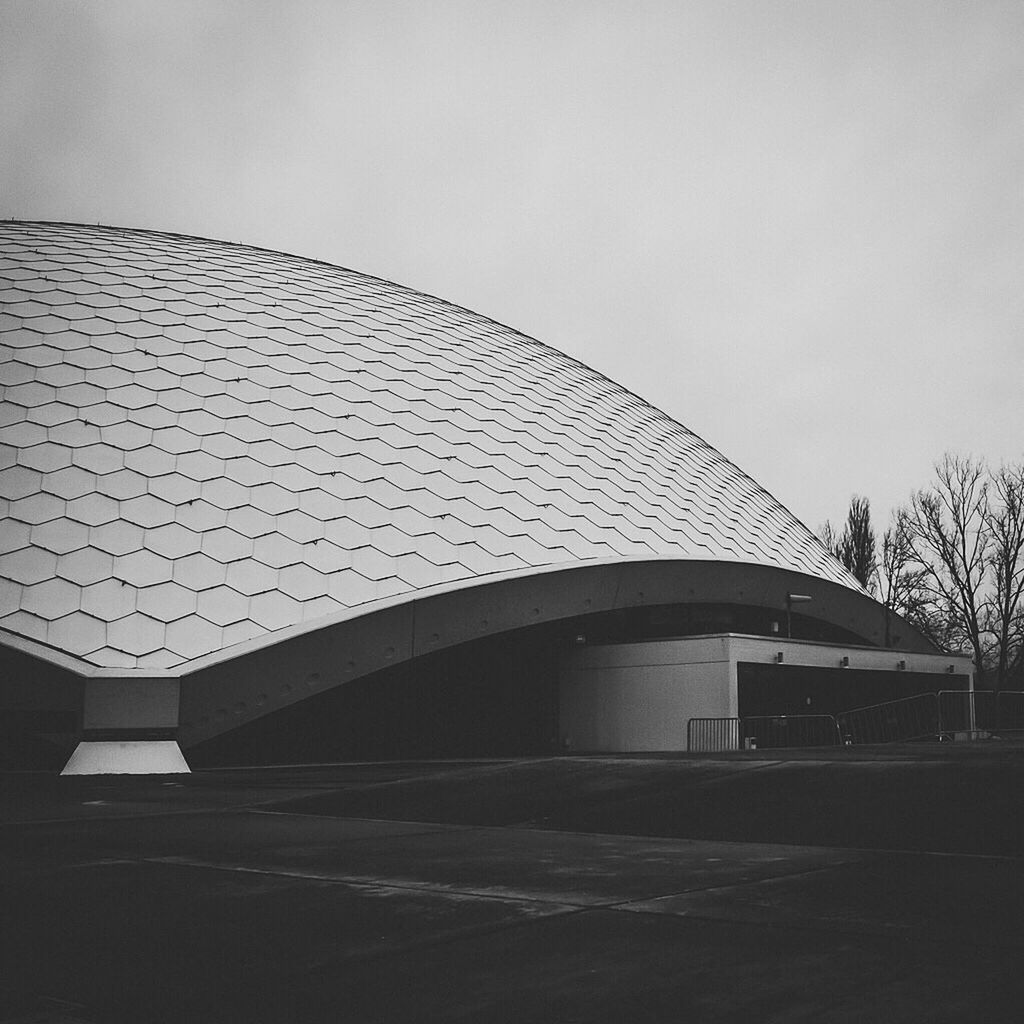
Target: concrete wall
[636, 697]
[764, 650]
[640, 696]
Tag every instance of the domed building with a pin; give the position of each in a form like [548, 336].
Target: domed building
[256, 505]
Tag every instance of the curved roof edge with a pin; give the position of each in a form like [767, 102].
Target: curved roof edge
[218, 697]
[82, 667]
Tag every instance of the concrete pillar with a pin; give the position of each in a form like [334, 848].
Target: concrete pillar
[129, 728]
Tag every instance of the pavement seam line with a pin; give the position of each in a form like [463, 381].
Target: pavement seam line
[429, 827]
[362, 882]
[625, 904]
[432, 826]
[1016, 858]
[86, 819]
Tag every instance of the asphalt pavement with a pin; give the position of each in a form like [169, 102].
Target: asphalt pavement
[881, 885]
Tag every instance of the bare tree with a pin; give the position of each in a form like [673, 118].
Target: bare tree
[1004, 611]
[898, 580]
[951, 563]
[947, 528]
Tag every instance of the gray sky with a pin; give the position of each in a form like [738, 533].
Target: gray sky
[797, 227]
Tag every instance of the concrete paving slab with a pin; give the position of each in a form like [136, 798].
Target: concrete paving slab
[216, 902]
[527, 791]
[34, 796]
[46, 845]
[581, 870]
[952, 899]
[967, 802]
[607, 967]
[143, 938]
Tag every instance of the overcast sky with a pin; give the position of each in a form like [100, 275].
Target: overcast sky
[797, 227]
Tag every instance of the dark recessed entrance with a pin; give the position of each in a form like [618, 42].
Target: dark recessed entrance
[491, 698]
[766, 690]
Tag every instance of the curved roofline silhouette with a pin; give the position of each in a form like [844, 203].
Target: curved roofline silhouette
[214, 448]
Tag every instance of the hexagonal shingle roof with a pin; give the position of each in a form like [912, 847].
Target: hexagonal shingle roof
[202, 443]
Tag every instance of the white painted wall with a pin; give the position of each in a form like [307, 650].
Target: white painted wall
[640, 696]
[636, 697]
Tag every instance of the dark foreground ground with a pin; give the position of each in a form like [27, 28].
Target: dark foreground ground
[855, 885]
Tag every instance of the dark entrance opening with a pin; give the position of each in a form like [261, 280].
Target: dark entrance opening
[490, 698]
[40, 712]
[767, 690]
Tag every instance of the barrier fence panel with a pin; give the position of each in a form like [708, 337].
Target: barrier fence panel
[1010, 708]
[910, 718]
[770, 731]
[968, 710]
[986, 710]
[707, 735]
[981, 710]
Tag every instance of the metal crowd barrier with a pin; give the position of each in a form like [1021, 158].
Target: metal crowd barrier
[910, 718]
[967, 710]
[982, 711]
[708, 735]
[771, 731]
[926, 715]
[1010, 708]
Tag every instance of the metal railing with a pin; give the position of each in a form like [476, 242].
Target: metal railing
[924, 716]
[910, 718]
[1010, 709]
[967, 710]
[981, 711]
[772, 731]
[710, 735]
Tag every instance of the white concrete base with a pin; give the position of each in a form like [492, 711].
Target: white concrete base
[128, 757]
